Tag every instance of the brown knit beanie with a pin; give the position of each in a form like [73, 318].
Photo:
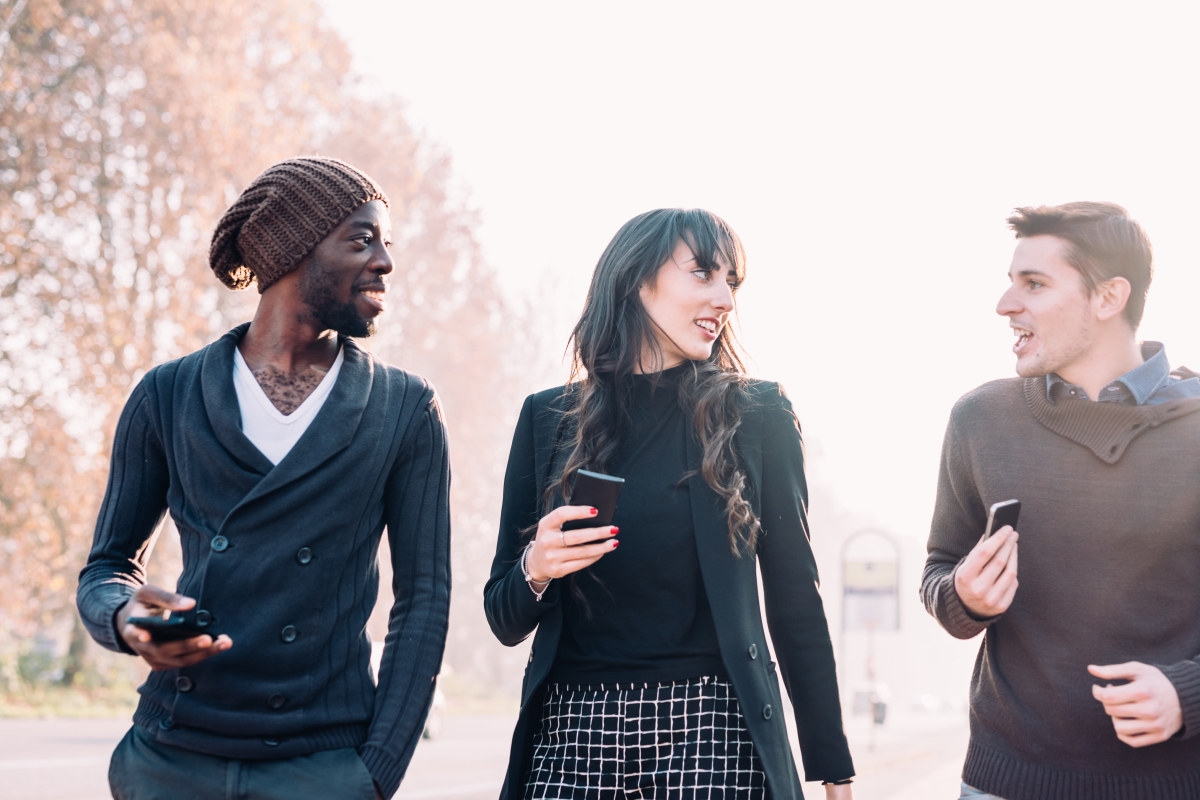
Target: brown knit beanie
[282, 216]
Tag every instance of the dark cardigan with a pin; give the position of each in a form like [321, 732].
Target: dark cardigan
[771, 452]
[283, 559]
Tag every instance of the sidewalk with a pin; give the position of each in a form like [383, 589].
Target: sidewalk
[917, 757]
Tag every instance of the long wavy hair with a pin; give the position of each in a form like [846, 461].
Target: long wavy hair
[615, 335]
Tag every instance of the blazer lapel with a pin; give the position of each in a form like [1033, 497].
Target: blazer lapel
[221, 403]
[718, 563]
[332, 430]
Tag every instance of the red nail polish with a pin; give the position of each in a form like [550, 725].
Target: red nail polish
[614, 531]
[615, 543]
[592, 511]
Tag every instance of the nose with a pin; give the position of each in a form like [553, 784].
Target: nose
[1009, 304]
[723, 297]
[381, 261]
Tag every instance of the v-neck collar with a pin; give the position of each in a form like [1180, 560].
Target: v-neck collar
[330, 432]
[315, 397]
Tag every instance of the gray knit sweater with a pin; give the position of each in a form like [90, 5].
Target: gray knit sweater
[1109, 573]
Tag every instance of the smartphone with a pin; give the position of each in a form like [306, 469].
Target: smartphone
[1001, 514]
[598, 491]
[170, 629]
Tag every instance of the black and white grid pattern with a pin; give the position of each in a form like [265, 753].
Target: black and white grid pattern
[684, 740]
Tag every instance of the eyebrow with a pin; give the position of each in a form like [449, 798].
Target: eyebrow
[364, 225]
[1026, 273]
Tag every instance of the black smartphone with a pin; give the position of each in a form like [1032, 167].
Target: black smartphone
[170, 629]
[1001, 514]
[598, 491]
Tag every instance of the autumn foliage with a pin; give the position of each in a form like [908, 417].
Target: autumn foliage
[126, 128]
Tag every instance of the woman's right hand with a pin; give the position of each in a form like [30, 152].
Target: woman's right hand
[556, 553]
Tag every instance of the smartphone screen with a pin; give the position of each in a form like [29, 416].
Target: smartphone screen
[598, 491]
[1001, 514]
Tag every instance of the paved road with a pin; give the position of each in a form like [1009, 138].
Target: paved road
[913, 759]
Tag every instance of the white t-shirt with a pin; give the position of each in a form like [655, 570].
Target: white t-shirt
[274, 433]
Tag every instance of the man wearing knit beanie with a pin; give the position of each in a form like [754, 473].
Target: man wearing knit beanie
[282, 452]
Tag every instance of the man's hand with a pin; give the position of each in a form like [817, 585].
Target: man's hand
[986, 580]
[151, 601]
[1144, 711]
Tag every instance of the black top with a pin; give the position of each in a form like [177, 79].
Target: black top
[771, 453]
[282, 557]
[644, 615]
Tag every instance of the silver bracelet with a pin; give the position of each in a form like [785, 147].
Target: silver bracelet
[528, 580]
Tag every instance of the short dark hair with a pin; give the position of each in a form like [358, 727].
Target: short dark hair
[1104, 242]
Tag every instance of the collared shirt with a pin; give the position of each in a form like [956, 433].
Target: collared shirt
[1148, 384]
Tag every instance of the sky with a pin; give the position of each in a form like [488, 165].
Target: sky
[866, 153]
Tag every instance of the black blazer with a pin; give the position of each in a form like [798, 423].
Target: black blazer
[772, 454]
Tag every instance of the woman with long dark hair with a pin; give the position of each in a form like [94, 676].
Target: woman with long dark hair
[650, 673]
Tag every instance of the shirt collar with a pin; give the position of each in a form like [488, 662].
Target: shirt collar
[1138, 385]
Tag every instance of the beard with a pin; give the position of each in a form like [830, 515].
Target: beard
[318, 291]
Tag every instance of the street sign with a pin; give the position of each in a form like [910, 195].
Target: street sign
[870, 583]
[872, 601]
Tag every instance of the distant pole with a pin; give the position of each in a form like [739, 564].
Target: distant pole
[871, 682]
[870, 602]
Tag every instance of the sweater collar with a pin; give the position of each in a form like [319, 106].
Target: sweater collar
[331, 430]
[1107, 429]
[1138, 385]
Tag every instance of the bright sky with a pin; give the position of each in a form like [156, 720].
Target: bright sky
[867, 154]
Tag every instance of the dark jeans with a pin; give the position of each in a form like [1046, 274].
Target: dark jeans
[144, 769]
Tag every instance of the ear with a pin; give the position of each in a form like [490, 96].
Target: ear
[1110, 297]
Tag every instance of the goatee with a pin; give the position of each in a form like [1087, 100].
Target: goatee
[318, 286]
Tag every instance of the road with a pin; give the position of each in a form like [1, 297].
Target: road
[915, 758]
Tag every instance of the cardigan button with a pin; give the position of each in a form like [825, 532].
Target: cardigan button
[304, 555]
[767, 711]
[271, 742]
[184, 684]
[289, 634]
[166, 724]
[753, 652]
[203, 618]
[219, 544]
[276, 701]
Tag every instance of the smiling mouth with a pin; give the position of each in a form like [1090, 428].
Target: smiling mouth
[1023, 338]
[374, 296]
[708, 326]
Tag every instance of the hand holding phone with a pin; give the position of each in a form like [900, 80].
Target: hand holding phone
[145, 610]
[570, 537]
[986, 580]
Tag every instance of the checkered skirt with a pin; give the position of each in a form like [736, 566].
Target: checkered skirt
[684, 740]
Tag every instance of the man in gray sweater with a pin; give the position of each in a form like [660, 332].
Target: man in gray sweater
[1088, 681]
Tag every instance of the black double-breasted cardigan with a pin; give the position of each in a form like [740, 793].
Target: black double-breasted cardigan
[283, 558]
[771, 452]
